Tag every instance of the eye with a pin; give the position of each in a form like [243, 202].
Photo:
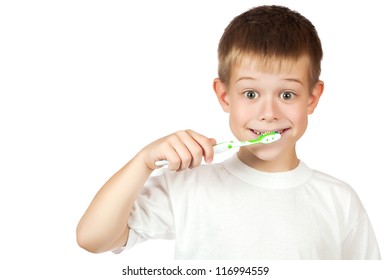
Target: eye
[287, 95]
[251, 94]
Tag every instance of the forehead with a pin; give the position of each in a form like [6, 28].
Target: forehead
[252, 64]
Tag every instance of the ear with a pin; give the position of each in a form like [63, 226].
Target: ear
[315, 97]
[222, 94]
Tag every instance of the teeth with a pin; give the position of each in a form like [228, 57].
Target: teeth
[258, 132]
[265, 132]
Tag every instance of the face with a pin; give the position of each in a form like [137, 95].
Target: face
[260, 100]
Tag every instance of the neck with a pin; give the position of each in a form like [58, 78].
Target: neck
[279, 163]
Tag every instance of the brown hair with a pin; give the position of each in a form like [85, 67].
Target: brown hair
[269, 33]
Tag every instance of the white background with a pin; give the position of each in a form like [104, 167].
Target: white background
[85, 84]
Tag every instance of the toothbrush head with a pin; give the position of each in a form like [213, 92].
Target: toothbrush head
[267, 137]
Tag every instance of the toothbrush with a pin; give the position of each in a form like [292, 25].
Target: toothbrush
[264, 138]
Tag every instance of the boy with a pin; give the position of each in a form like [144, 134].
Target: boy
[263, 203]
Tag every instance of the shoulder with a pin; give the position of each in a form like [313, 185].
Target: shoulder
[326, 180]
[205, 174]
[337, 198]
[336, 189]
[202, 172]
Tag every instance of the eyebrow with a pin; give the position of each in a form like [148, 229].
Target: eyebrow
[244, 78]
[294, 80]
[287, 79]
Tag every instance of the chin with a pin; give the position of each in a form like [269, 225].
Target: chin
[267, 153]
[268, 156]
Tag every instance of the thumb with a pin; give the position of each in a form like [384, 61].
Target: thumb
[212, 141]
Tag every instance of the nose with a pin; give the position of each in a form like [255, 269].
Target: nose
[269, 110]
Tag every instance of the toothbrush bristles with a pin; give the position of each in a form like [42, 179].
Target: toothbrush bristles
[269, 132]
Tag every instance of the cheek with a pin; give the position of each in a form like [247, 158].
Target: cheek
[238, 117]
[299, 118]
[242, 112]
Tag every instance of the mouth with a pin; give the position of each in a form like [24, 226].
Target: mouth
[258, 132]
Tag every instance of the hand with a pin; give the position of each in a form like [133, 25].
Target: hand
[183, 149]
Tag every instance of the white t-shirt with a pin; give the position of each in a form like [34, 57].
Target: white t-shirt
[229, 210]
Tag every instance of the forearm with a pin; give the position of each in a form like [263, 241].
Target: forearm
[103, 227]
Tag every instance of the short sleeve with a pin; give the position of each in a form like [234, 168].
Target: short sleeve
[360, 242]
[151, 216]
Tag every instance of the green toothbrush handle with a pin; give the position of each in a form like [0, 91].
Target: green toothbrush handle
[265, 138]
[224, 146]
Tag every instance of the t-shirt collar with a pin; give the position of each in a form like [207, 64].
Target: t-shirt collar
[273, 180]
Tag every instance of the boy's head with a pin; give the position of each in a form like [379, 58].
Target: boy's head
[269, 35]
[269, 67]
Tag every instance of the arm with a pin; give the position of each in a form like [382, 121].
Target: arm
[103, 227]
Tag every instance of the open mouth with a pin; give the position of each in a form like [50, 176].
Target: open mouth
[258, 132]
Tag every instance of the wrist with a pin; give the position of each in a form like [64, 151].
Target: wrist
[141, 159]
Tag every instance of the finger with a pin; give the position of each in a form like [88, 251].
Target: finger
[196, 153]
[210, 151]
[190, 140]
[206, 144]
[165, 154]
[183, 155]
